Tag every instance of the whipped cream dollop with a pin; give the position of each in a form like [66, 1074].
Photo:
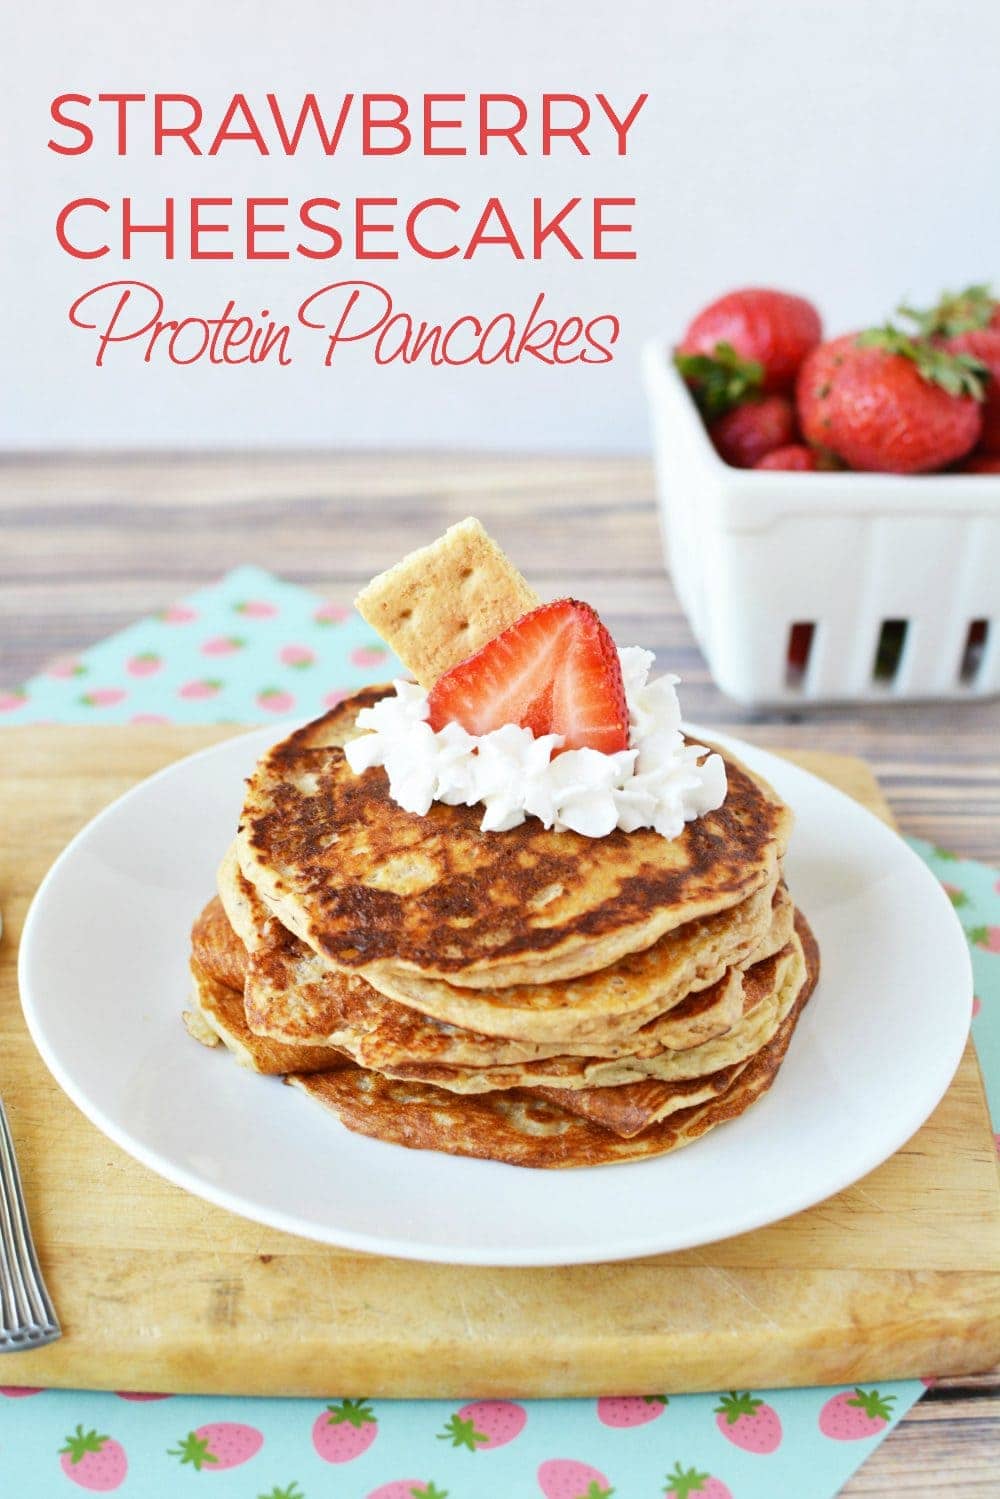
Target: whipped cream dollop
[659, 782]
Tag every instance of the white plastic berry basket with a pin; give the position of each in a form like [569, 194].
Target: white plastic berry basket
[826, 587]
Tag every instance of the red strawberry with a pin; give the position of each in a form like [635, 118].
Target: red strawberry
[854, 1414]
[978, 464]
[16, 1392]
[344, 1430]
[748, 1423]
[774, 328]
[485, 1424]
[886, 403]
[630, 1410]
[747, 433]
[94, 1462]
[219, 1445]
[795, 457]
[683, 1483]
[554, 671]
[984, 344]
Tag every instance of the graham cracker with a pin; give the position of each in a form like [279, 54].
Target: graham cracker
[446, 600]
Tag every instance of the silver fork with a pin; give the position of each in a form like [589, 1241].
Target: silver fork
[27, 1316]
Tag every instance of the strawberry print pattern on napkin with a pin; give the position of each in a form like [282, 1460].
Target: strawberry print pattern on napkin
[612, 1448]
[245, 650]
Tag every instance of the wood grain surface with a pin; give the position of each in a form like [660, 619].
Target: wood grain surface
[92, 542]
[157, 1289]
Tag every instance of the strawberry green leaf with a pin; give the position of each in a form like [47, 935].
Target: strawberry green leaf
[721, 380]
[733, 1406]
[463, 1434]
[81, 1442]
[194, 1450]
[684, 1481]
[872, 1403]
[958, 374]
[977, 935]
[956, 312]
[356, 1413]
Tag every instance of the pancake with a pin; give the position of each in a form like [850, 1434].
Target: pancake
[378, 890]
[629, 1110]
[770, 988]
[294, 995]
[216, 948]
[341, 1010]
[216, 1015]
[617, 1000]
[525, 1130]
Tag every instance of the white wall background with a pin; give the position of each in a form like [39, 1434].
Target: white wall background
[849, 150]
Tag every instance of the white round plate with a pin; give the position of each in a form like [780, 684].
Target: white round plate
[103, 972]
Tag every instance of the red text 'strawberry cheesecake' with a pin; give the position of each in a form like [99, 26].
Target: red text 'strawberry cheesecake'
[506, 909]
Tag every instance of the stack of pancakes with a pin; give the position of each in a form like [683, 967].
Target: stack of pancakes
[531, 996]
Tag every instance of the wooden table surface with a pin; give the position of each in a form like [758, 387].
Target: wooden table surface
[92, 542]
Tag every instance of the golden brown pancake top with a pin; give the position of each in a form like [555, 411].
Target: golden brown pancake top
[364, 882]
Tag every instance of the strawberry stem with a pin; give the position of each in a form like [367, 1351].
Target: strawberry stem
[955, 312]
[958, 374]
[356, 1413]
[463, 1434]
[81, 1442]
[684, 1481]
[194, 1450]
[733, 1406]
[872, 1403]
[721, 380]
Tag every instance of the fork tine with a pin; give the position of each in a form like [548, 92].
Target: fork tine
[28, 1316]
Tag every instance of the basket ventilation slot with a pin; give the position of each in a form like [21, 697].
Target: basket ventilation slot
[801, 637]
[889, 651]
[975, 651]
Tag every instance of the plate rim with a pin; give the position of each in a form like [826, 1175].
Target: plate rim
[414, 1250]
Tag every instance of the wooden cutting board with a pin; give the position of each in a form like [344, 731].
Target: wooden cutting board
[899, 1275]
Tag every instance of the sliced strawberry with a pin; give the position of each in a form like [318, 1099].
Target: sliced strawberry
[554, 671]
